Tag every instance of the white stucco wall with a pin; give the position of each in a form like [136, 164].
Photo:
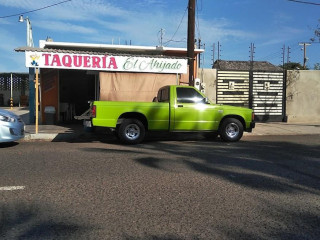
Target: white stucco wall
[208, 79]
[303, 96]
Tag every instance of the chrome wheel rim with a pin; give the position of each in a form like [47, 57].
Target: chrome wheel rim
[232, 130]
[132, 131]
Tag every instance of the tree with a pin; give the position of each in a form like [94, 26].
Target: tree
[316, 66]
[292, 66]
[316, 36]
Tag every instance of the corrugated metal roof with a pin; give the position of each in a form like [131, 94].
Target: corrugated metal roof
[110, 53]
[147, 50]
[245, 66]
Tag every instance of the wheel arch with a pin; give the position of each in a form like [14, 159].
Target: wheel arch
[135, 115]
[238, 117]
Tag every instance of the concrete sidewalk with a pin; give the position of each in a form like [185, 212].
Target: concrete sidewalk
[73, 131]
[281, 128]
[53, 132]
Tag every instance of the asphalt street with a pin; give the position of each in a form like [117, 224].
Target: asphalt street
[263, 187]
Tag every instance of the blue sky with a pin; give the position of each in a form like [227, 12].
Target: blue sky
[269, 24]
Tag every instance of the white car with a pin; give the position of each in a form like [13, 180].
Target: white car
[11, 126]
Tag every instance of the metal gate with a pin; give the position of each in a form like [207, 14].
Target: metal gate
[268, 96]
[264, 92]
[233, 88]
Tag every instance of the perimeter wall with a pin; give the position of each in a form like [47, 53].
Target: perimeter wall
[303, 93]
[303, 96]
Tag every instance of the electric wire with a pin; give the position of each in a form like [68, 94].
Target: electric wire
[171, 40]
[304, 2]
[35, 10]
[278, 54]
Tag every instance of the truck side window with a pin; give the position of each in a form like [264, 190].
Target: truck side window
[189, 95]
[163, 95]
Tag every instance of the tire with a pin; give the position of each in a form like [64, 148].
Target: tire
[231, 130]
[131, 131]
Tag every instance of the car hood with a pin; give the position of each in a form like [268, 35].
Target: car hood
[8, 113]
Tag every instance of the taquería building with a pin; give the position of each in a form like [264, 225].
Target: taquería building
[71, 74]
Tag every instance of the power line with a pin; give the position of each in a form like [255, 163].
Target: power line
[304, 2]
[171, 40]
[271, 56]
[18, 14]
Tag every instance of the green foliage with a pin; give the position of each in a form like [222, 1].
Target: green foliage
[316, 66]
[316, 33]
[292, 66]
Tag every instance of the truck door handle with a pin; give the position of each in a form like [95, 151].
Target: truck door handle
[180, 105]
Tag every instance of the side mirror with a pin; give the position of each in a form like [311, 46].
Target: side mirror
[206, 101]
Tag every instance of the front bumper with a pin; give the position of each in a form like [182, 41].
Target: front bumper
[11, 132]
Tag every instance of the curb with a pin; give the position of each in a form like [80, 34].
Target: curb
[262, 129]
[50, 136]
[40, 136]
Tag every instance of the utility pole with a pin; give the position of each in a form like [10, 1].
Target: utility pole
[219, 51]
[213, 52]
[161, 37]
[31, 71]
[283, 55]
[252, 52]
[199, 46]
[191, 38]
[288, 55]
[305, 59]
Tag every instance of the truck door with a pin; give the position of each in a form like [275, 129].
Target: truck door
[192, 113]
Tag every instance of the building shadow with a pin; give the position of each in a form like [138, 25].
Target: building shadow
[32, 221]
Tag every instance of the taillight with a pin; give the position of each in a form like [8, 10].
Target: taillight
[252, 117]
[93, 111]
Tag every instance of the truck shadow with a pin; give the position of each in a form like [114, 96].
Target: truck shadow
[106, 136]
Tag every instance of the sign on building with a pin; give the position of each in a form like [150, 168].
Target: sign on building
[105, 62]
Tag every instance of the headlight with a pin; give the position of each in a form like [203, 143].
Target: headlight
[6, 118]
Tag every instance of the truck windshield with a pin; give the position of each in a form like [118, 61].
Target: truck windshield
[189, 95]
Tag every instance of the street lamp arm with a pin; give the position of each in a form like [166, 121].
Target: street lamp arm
[29, 30]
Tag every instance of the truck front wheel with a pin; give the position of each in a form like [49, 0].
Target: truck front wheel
[131, 131]
[231, 130]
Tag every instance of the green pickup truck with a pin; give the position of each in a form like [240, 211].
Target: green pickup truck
[175, 109]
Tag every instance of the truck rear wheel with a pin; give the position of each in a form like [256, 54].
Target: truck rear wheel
[131, 131]
[231, 130]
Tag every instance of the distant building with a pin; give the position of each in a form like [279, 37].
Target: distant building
[19, 89]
